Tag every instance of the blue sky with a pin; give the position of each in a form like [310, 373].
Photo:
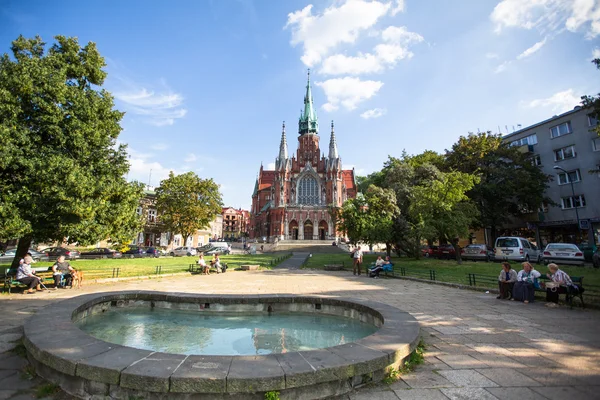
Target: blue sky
[207, 84]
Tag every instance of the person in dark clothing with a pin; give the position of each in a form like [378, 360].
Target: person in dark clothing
[62, 270]
[506, 281]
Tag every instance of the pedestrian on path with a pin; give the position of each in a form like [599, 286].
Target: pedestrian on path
[357, 259]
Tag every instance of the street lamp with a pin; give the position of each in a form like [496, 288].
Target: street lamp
[572, 191]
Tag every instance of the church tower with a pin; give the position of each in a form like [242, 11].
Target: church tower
[308, 128]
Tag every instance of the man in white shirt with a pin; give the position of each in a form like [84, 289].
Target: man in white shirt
[357, 261]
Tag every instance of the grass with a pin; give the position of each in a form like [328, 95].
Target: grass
[45, 390]
[447, 270]
[129, 267]
[415, 358]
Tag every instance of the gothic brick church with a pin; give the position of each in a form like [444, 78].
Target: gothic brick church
[293, 201]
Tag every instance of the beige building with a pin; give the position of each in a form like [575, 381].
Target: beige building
[235, 223]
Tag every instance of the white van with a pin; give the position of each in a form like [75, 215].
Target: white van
[512, 248]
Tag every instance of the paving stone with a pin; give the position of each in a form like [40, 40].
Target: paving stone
[15, 382]
[497, 361]
[398, 385]
[379, 395]
[552, 377]
[468, 394]
[565, 392]
[590, 392]
[507, 377]
[467, 378]
[426, 380]
[12, 361]
[459, 361]
[515, 393]
[420, 394]
[6, 394]
[6, 373]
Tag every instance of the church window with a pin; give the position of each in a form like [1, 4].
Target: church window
[308, 191]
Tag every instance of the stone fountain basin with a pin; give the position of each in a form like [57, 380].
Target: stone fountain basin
[87, 367]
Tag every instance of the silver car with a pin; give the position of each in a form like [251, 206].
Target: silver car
[563, 253]
[512, 248]
[477, 252]
[183, 251]
[10, 255]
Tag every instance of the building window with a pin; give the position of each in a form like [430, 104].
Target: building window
[138, 211]
[592, 120]
[151, 215]
[596, 144]
[543, 208]
[308, 191]
[570, 176]
[564, 153]
[560, 130]
[573, 201]
[536, 160]
[531, 139]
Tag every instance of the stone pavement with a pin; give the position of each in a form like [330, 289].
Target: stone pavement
[294, 262]
[478, 347]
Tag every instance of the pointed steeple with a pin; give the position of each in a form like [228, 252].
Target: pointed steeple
[308, 122]
[333, 151]
[283, 150]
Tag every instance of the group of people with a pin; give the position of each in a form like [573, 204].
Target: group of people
[521, 286]
[61, 272]
[214, 263]
[357, 260]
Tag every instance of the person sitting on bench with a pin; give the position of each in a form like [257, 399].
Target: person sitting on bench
[379, 266]
[216, 262]
[26, 276]
[506, 281]
[62, 270]
[202, 263]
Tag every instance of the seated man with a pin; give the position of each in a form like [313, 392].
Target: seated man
[202, 263]
[379, 266]
[62, 269]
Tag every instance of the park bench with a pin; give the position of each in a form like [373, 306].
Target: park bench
[197, 269]
[492, 281]
[10, 280]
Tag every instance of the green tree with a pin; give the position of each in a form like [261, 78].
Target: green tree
[352, 218]
[61, 170]
[593, 102]
[510, 184]
[381, 211]
[186, 203]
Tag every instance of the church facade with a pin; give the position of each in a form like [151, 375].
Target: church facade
[293, 201]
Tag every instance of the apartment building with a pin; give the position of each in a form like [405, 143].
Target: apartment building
[565, 147]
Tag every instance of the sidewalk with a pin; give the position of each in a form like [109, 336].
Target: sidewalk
[478, 347]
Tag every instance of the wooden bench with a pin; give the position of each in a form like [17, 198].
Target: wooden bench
[10, 280]
[333, 267]
[569, 296]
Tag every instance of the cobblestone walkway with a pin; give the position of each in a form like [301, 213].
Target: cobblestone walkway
[478, 347]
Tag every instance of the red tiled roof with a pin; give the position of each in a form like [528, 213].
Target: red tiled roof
[266, 179]
[348, 176]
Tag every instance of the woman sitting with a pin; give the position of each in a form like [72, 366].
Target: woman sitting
[216, 262]
[202, 263]
[564, 284]
[506, 281]
[527, 282]
[379, 266]
[26, 276]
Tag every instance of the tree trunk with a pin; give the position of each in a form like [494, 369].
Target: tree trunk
[457, 251]
[22, 249]
[388, 250]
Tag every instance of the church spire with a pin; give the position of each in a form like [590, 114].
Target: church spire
[333, 151]
[283, 150]
[308, 122]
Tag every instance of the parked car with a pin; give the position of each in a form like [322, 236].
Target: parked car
[563, 253]
[54, 252]
[135, 252]
[153, 252]
[596, 259]
[429, 251]
[512, 248]
[446, 251]
[477, 252]
[101, 252]
[10, 255]
[588, 250]
[204, 248]
[183, 251]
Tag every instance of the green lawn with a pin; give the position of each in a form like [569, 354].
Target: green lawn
[446, 270]
[148, 266]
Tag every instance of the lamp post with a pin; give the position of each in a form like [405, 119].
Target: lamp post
[573, 192]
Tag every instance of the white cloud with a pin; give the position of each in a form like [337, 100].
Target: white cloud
[558, 102]
[159, 146]
[548, 15]
[347, 92]
[385, 55]
[532, 49]
[145, 170]
[374, 113]
[595, 53]
[191, 157]
[398, 7]
[157, 109]
[321, 33]
[502, 67]
[492, 56]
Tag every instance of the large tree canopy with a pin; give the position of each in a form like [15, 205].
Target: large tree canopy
[187, 203]
[61, 170]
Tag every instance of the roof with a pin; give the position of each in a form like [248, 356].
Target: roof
[266, 206]
[573, 111]
[348, 177]
[266, 179]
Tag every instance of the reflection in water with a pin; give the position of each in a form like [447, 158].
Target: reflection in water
[189, 332]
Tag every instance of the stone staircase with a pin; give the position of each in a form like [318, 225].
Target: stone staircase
[308, 246]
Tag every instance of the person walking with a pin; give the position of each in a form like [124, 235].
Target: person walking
[357, 259]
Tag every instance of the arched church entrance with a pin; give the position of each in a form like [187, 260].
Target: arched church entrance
[308, 230]
[293, 230]
[322, 230]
